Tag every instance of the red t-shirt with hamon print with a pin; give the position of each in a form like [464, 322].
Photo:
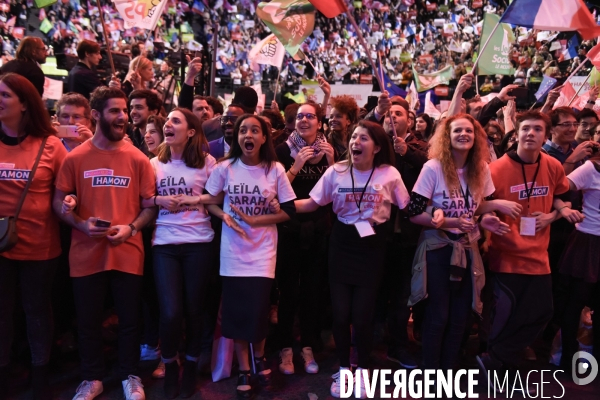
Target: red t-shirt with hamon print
[513, 252]
[109, 185]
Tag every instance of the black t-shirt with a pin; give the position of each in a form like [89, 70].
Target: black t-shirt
[306, 179]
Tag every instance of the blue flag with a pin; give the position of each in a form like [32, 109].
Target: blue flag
[547, 84]
[390, 86]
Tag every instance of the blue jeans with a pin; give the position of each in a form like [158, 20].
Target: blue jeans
[35, 280]
[446, 312]
[182, 273]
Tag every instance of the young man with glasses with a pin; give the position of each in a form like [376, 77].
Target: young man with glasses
[74, 109]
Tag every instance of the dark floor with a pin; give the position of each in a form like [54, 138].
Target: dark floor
[65, 379]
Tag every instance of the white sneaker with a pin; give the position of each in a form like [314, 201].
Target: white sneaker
[133, 388]
[310, 365]
[159, 372]
[286, 361]
[148, 353]
[336, 388]
[88, 390]
[358, 376]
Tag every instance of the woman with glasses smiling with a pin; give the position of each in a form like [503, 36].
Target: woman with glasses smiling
[302, 248]
[74, 109]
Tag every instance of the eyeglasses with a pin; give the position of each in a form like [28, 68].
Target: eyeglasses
[586, 125]
[225, 119]
[309, 116]
[569, 124]
[76, 117]
[512, 139]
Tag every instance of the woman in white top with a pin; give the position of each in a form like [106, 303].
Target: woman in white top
[182, 248]
[248, 179]
[362, 190]
[450, 190]
[580, 263]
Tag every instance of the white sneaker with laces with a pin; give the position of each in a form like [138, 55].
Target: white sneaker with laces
[133, 388]
[358, 377]
[310, 365]
[286, 361]
[88, 390]
[336, 388]
[149, 353]
[159, 372]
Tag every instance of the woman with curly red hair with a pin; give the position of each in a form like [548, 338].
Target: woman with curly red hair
[447, 268]
[344, 114]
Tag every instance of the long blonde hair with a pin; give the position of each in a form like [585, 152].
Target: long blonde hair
[136, 64]
[440, 148]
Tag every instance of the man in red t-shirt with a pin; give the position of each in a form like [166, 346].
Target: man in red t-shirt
[519, 258]
[109, 177]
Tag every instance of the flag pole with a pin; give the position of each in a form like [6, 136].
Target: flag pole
[382, 89]
[363, 43]
[579, 90]
[108, 51]
[277, 81]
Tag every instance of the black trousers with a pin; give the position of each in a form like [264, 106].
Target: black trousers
[522, 309]
[301, 269]
[353, 305]
[90, 292]
[579, 294]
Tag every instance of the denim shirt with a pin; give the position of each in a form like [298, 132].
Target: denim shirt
[433, 239]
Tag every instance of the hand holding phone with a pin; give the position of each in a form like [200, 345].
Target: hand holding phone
[67, 131]
[102, 223]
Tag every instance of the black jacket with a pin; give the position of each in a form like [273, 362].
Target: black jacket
[83, 80]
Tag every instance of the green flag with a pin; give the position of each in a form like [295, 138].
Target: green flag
[425, 82]
[45, 26]
[292, 21]
[44, 3]
[495, 57]
[298, 98]
[594, 77]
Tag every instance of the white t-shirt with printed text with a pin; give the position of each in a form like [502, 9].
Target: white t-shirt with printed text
[250, 189]
[186, 224]
[432, 185]
[587, 179]
[384, 189]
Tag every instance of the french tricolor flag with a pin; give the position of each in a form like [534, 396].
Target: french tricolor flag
[552, 15]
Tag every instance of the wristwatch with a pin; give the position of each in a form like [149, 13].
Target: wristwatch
[133, 230]
[591, 102]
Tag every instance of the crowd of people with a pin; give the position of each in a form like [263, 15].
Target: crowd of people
[210, 215]
[426, 36]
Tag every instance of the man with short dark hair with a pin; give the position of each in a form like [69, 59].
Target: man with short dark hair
[142, 103]
[246, 98]
[83, 78]
[111, 179]
[30, 54]
[206, 107]
[221, 146]
[588, 119]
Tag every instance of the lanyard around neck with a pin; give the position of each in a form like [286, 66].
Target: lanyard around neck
[359, 202]
[528, 190]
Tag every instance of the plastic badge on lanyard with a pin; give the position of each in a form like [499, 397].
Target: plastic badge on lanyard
[527, 226]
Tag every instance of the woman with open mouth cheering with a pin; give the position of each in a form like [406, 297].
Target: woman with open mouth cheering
[249, 177]
[362, 189]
